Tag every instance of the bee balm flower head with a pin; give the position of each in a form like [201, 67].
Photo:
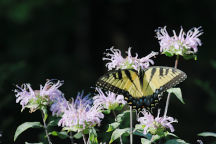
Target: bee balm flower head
[81, 115]
[130, 62]
[109, 100]
[183, 44]
[33, 99]
[155, 125]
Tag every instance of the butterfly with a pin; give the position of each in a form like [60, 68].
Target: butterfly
[141, 89]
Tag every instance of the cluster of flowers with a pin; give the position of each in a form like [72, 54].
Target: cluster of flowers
[84, 112]
[76, 115]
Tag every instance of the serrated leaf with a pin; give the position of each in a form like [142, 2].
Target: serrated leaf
[177, 92]
[117, 133]
[23, 127]
[176, 141]
[145, 141]
[78, 135]
[113, 126]
[206, 134]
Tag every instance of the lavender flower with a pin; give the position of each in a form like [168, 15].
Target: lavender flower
[109, 100]
[24, 95]
[183, 44]
[155, 125]
[58, 106]
[80, 115]
[118, 62]
[33, 99]
[51, 89]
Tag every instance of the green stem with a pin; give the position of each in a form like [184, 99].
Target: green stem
[168, 97]
[131, 125]
[84, 138]
[45, 128]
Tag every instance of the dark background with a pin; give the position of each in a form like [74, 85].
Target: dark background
[41, 39]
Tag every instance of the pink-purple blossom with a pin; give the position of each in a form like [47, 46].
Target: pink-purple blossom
[116, 61]
[59, 105]
[24, 94]
[80, 114]
[27, 97]
[152, 124]
[108, 100]
[184, 43]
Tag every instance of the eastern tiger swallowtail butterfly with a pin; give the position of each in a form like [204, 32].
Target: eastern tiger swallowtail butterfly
[141, 89]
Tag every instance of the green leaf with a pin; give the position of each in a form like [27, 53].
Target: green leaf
[120, 107]
[189, 56]
[171, 134]
[62, 134]
[93, 136]
[139, 130]
[113, 126]
[138, 133]
[45, 114]
[78, 135]
[125, 114]
[206, 134]
[117, 133]
[26, 126]
[145, 141]
[53, 123]
[176, 141]
[177, 92]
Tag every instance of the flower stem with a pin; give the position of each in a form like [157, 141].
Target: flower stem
[168, 97]
[131, 125]
[71, 137]
[45, 128]
[84, 138]
[116, 120]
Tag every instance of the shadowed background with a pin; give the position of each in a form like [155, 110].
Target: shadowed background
[66, 40]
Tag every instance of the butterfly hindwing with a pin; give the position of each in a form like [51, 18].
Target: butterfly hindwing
[141, 89]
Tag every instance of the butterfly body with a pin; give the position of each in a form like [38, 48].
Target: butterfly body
[141, 89]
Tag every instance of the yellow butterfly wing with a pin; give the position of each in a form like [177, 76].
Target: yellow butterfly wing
[141, 89]
[121, 81]
[160, 78]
